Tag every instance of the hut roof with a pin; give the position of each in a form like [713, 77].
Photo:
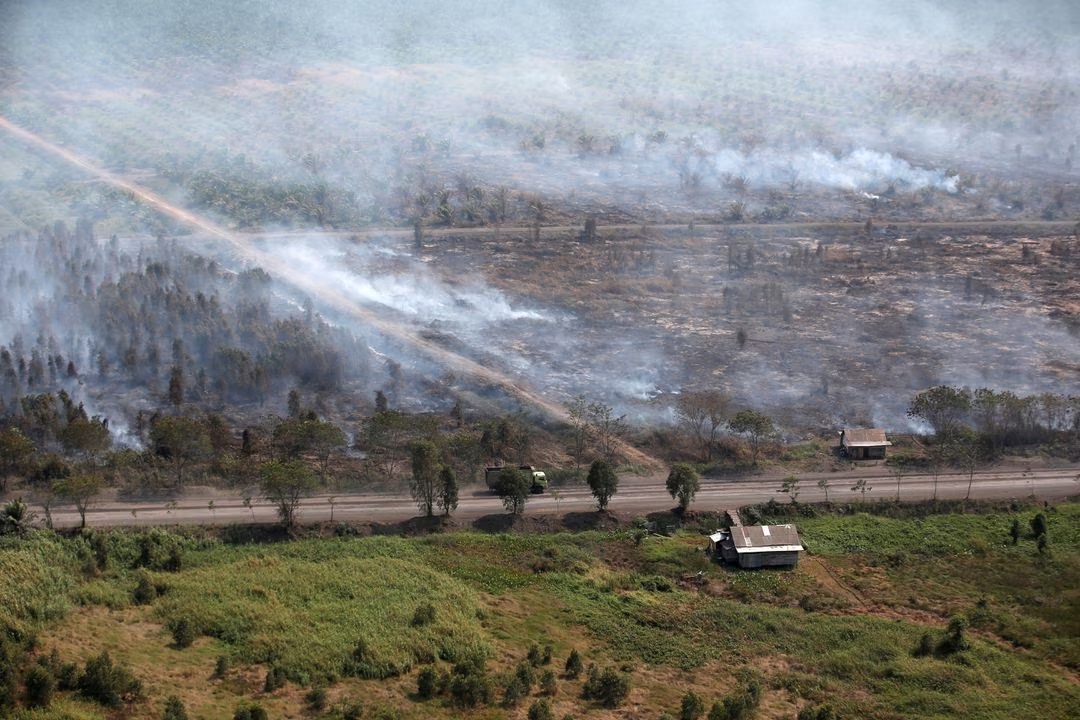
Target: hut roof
[765, 538]
[865, 437]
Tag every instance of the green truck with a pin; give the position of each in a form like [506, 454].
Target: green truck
[537, 478]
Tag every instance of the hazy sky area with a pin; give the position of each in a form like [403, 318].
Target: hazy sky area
[659, 109]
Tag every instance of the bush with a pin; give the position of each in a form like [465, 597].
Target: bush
[145, 592]
[534, 656]
[541, 710]
[608, 688]
[693, 707]
[316, 699]
[424, 615]
[106, 683]
[514, 692]
[821, 712]
[426, 683]
[275, 679]
[40, 686]
[469, 685]
[221, 667]
[250, 711]
[184, 633]
[174, 709]
[526, 676]
[548, 683]
[574, 666]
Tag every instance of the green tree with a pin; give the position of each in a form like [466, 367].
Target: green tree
[294, 438]
[755, 426]
[862, 488]
[80, 490]
[513, 487]
[87, 437]
[683, 483]
[16, 453]
[182, 441]
[424, 484]
[943, 408]
[285, 485]
[447, 498]
[603, 482]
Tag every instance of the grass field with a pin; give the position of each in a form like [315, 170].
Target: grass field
[349, 623]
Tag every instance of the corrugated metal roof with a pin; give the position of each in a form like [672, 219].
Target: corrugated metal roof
[865, 437]
[762, 538]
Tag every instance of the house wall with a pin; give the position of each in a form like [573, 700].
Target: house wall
[769, 559]
[865, 453]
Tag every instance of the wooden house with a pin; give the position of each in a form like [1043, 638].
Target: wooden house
[756, 546]
[863, 443]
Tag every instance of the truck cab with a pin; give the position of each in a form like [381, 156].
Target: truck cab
[537, 478]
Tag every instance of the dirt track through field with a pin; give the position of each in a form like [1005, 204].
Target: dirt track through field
[313, 286]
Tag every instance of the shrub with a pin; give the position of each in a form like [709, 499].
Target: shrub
[821, 712]
[145, 592]
[526, 675]
[469, 685]
[424, 615]
[548, 683]
[608, 687]
[106, 683]
[275, 679]
[534, 656]
[174, 709]
[40, 686]
[513, 692]
[250, 711]
[426, 682]
[316, 699]
[693, 707]
[221, 667]
[184, 633]
[574, 666]
[541, 710]
[739, 706]
[1039, 525]
[352, 710]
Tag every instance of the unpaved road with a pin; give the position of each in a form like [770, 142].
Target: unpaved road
[636, 496]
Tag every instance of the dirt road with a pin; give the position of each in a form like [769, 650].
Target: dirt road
[636, 496]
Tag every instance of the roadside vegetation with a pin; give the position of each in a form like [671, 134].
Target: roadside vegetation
[924, 610]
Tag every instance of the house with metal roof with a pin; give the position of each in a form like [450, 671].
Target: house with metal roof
[863, 443]
[756, 546]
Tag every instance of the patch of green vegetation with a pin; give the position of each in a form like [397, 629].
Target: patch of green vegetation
[321, 618]
[38, 574]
